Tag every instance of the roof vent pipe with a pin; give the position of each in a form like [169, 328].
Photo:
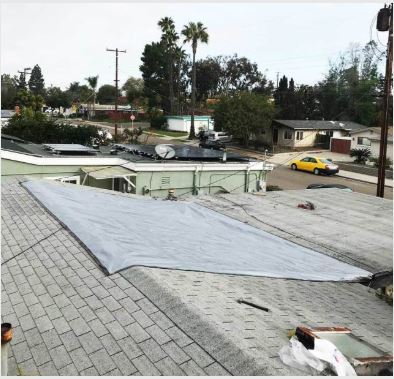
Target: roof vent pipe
[224, 158]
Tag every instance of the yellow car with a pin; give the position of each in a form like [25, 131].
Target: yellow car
[315, 165]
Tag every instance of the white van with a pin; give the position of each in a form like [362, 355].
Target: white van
[218, 136]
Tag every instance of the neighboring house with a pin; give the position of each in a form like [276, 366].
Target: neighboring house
[309, 133]
[370, 138]
[182, 123]
[6, 114]
[137, 169]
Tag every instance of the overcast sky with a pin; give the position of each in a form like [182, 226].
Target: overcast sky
[69, 40]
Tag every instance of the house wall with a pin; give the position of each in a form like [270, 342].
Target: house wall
[203, 182]
[375, 143]
[178, 125]
[13, 168]
[157, 182]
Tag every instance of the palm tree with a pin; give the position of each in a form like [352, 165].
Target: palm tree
[194, 33]
[169, 39]
[92, 81]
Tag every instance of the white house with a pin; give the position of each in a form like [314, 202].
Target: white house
[370, 138]
[182, 123]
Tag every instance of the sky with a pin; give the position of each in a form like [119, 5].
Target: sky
[69, 40]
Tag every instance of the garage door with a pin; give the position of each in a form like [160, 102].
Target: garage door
[340, 145]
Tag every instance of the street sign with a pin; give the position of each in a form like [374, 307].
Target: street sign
[132, 117]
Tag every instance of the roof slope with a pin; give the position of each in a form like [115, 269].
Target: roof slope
[348, 226]
[320, 125]
[70, 318]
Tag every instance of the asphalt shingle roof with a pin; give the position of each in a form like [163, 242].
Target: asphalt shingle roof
[320, 125]
[70, 318]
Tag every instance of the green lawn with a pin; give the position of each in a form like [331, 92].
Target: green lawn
[168, 133]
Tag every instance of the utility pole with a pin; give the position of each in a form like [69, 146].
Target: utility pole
[25, 72]
[384, 23]
[116, 85]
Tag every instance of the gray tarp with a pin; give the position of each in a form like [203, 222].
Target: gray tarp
[123, 231]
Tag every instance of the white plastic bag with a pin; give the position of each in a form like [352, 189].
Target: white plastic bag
[298, 356]
[328, 352]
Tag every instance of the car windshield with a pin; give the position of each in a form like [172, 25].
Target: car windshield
[325, 161]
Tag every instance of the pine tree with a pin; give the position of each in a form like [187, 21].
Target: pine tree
[36, 82]
[21, 81]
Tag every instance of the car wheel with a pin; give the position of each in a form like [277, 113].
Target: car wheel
[316, 171]
[294, 166]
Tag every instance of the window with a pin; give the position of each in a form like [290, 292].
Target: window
[312, 160]
[287, 134]
[363, 141]
[299, 136]
[305, 159]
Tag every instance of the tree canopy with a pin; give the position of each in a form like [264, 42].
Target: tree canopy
[36, 81]
[107, 94]
[8, 91]
[56, 98]
[243, 115]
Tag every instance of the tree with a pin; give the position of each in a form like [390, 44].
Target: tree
[243, 115]
[79, 93]
[194, 33]
[56, 98]
[92, 81]
[169, 39]
[134, 88]
[107, 94]
[208, 75]
[36, 81]
[26, 99]
[352, 88]
[21, 81]
[8, 91]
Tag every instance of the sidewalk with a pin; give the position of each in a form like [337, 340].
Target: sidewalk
[363, 178]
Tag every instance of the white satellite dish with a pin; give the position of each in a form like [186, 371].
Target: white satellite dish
[165, 151]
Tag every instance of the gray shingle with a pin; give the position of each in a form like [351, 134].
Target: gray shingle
[152, 350]
[98, 328]
[33, 337]
[60, 357]
[102, 361]
[40, 354]
[129, 347]
[123, 317]
[44, 324]
[124, 364]
[90, 342]
[147, 306]
[48, 369]
[168, 367]
[178, 336]
[26, 322]
[70, 341]
[69, 370]
[51, 339]
[80, 359]
[175, 352]
[137, 332]
[21, 352]
[116, 330]
[61, 325]
[158, 334]
[105, 315]
[141, 317]
[216, 370]
[79, 326]
[145, 366]
[110, 344]
[198, 355]
[192, 369]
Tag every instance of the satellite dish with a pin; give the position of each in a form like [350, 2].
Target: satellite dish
[165, 151]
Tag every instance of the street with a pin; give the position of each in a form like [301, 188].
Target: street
[287, 179]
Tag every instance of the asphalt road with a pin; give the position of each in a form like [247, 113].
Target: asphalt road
[287, 179]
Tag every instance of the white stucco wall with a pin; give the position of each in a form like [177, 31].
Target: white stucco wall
[374, 146]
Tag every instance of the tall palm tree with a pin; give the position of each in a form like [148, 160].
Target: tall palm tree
[169, 39]
[92, 81]
[193, 33]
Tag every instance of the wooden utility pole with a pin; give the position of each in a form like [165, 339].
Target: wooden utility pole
[116, 85]
[381, 26]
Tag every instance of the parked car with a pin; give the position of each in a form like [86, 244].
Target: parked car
[212, 145]
[218, 136]
[315, 165]
[333, 185]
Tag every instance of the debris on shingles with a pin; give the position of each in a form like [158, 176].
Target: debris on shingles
[307, 205]
[386, 294]
[171, 195]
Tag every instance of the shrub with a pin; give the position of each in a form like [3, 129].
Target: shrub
[375, 161]
[361, 155]
[48, 131]
[273, 187]
[157, 122]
